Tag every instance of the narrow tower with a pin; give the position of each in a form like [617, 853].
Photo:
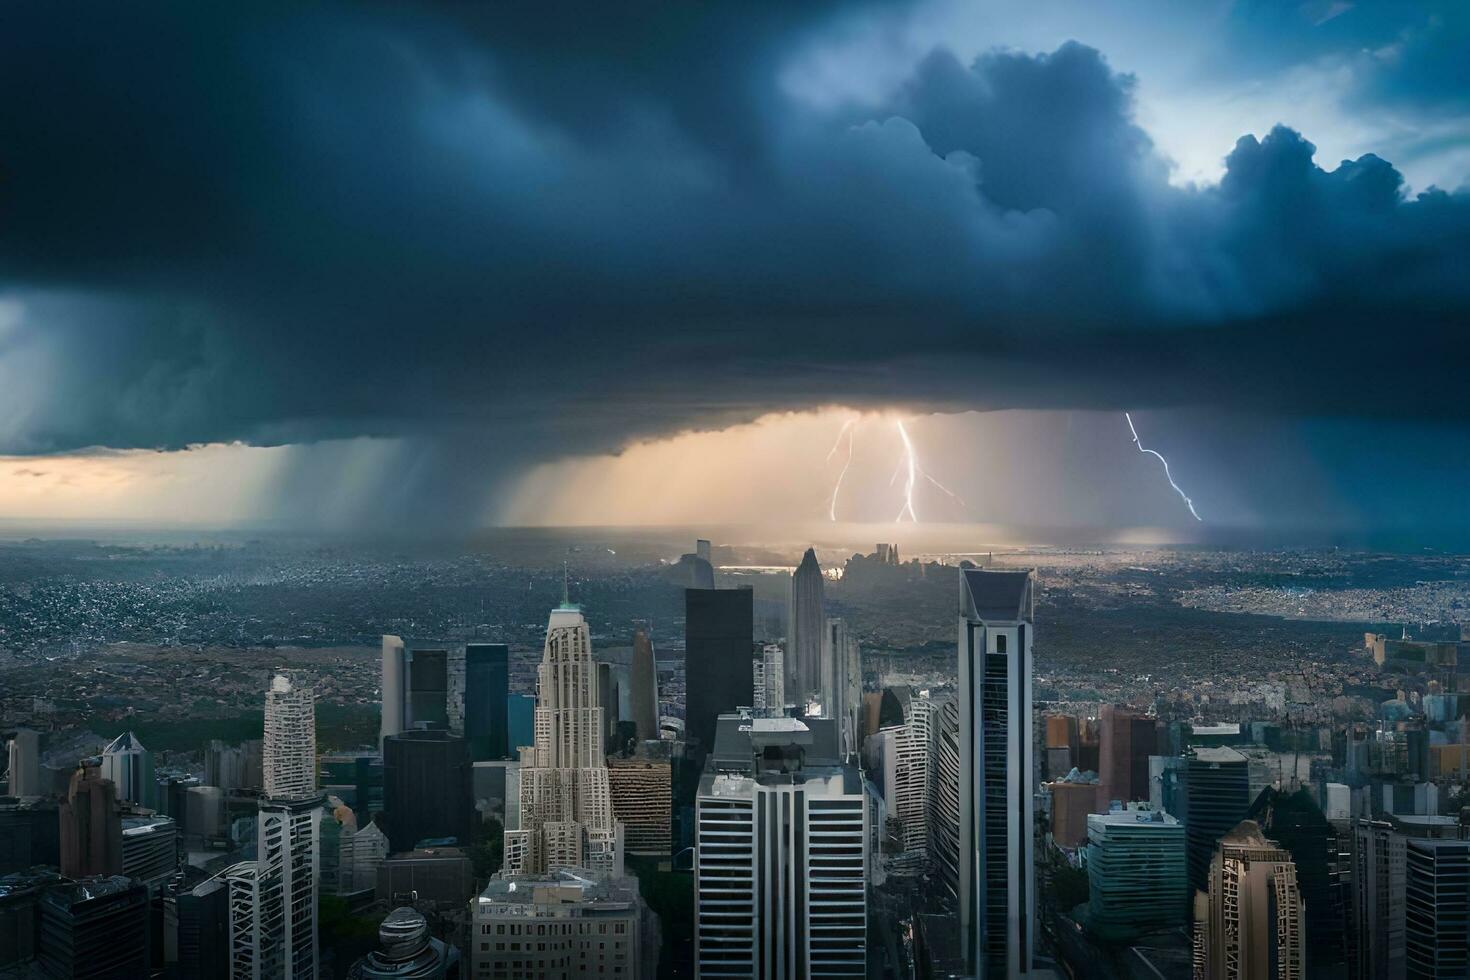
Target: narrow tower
[808, 624]
[997, 813]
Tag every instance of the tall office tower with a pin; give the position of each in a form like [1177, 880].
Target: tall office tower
[393, 687]
[1380, 863]
[150, 849]
[202, 915]
[487, 683]
[643, 695]
[290, 740]
[607, 696]
[30, 834]
[944, 791]
[808, 622]
[642, 802]
[91, 828]
[1136, 874]
[25, 763]
[781, 854]
[997, 814]
[97, 927]
[1437, 909]
[426, 788]
[842, 681]
[273, 899]
[565, 806]
[702, 549]
[718, 630]
[768, 679]
[130, 767]
[905, 771]
[1217, 796]
[1251, 923]
[407, 951]
[1126, 741]
[1295, 822]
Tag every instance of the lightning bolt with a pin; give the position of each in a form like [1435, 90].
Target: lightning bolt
[908, 464]
[849, 430]
[1141, 448]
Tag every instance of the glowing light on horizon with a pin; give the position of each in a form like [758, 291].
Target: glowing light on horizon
[1167, 475]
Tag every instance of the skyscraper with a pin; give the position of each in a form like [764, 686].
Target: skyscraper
[130, 768]
[392, 721]
[944, 791]
[25, 763]
[202, 915]
[273, 899]
[1437, 909]
[768, 678]
[415, 686]
[905, 753]
[487, 679]
[1217, 796]
[1251, 922]
[642, 802]
[1294, 821]
[842, 681]
[718, 631]
[1126, 740]
[91, 828]
[808, 622]
[643, 696]
[782, 852]
[1136, 874]
[565, 806]
[290, 740]
[997, 814]
[97, 927]
[426, 788]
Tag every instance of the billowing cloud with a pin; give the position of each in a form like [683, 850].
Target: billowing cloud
[523, 235]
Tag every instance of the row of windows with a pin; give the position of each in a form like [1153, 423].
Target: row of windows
[554, 929]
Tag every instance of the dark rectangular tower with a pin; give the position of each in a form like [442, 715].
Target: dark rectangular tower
[426, 788]
[718, 635]
[486, 684]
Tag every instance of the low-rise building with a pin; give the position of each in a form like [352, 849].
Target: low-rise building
[562, 926]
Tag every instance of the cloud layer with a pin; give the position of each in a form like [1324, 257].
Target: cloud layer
[550, 233]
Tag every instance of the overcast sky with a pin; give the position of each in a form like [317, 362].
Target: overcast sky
[397, 264]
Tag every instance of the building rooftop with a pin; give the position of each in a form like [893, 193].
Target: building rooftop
[76, 892]
[1220, 755]
[126, 742]
[1133, 816]
[770, 751]
[568, 887]
[992, 596]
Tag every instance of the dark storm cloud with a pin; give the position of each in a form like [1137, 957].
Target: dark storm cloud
[551, 230]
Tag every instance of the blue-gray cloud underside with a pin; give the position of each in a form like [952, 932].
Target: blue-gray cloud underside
[559, 230]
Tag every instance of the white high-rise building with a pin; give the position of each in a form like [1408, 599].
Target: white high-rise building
[842, 682]
[905, 754]
[781, 853]
[808, 621]
[390, 695]
[997, 881]
[768, 680]
[566, 817]
[290, 741]
[273, 899]
[1251, 923]
[25, 763]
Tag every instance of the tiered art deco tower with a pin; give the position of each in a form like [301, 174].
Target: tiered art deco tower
[566, 817]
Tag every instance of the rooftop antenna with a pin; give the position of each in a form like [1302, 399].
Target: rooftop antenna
[566, 593]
